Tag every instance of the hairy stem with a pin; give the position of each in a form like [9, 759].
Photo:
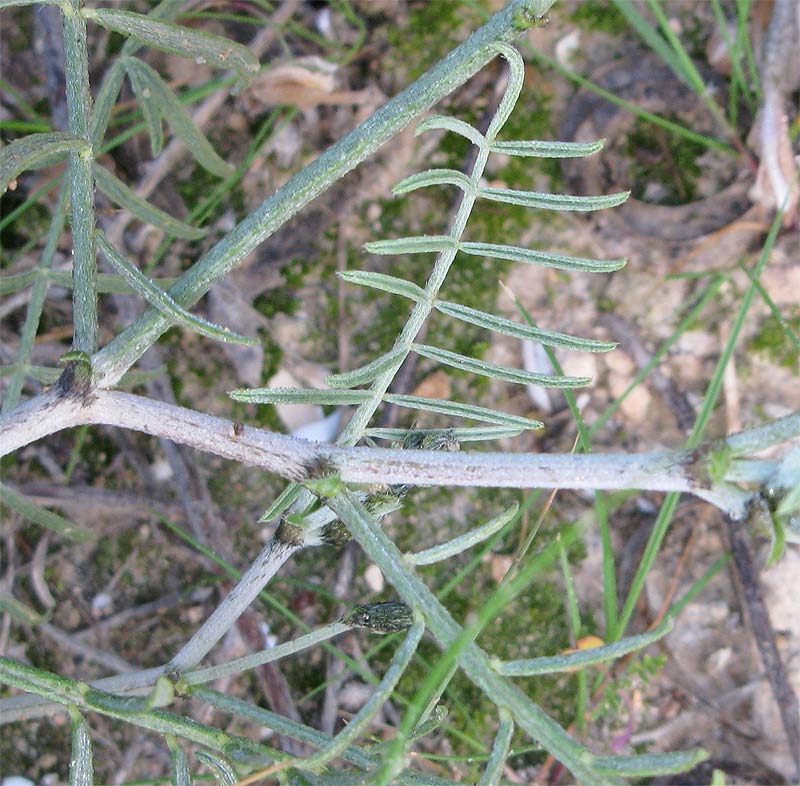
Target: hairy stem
[81, 179]
[296, 459]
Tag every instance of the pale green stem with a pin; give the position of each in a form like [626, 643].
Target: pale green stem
[382, 551]
[81, 179]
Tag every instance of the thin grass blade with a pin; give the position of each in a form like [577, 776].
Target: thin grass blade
[44, 518]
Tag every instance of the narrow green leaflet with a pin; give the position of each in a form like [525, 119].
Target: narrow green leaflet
[482, 367]
[472, 434]
[421, 244]
[532, 257]
[223, 773]
[148, 103]
[516, 77]
[539, 149]
[367, 373]
[590, 657]
[395, 286]
[163, 302]
[459, 410]
[545, 201]
[36, 150]
[150, 87]
[463, 542]
[81, 766]
[649, 764]
[502, 742]
[214, 50]
[125, 197]
[178, 763]
[444, 123]
[517, 330]
[44, 518]
[300, 396]
[434, 177]
[106, 99]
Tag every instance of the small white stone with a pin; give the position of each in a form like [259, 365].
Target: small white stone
[374, 578]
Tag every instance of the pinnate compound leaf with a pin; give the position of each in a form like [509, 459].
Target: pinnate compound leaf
[540, 149]
[125, 197]
[486, 369]
[214, 50]
[533, 257]
[44, 518]
[444, 123]
[395, 286]
[368, 372]
[300, 396]
[36, 150]
[421, 244]
[163, 302]
[546, 201]
[434, 177]
[524, 332]
[163, 103]
[458, 410]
